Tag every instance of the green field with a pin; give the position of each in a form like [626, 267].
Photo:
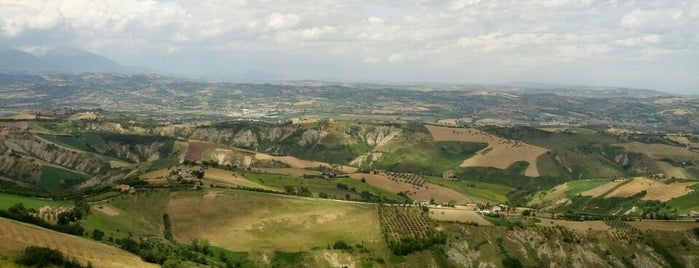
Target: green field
[576, 187]
[139, 215]
[8, 200]
[416, 152]
[54, 179]
[686, 203]
[252, 221]
[491, 192]
[165, 162]
[85, 142]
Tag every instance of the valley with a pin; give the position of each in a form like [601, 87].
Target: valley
[264, 175]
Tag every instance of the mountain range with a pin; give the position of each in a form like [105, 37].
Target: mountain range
[61, 60]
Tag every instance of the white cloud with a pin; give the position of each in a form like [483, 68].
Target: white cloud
[449, 36]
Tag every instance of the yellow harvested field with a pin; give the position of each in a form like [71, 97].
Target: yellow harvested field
[244, 221]
[296, 172]
[555, 194]
[83, 116]
[450, 121]
[672, 171]
[156, 174]
[106, 209]
[297, 121]
[300, 163]
[20, 117]
[439, 193]
[602, 189]
[500, 153]
[231, 177]
[655, 190]
[657, 151]
[665, 225]
[16, 236]
[308, 102]
[580, 226]
[458, 215]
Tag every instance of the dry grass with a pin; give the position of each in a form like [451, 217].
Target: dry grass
[20, 117]
[449, 121]
[195, 149]
[83, 116]
[244, 221]
[300, 163]
[580, 226]
[602, 189]
[296, 172]
[107, 210]
[655, 190]
[16, 236]
[234, 178]
[657, 151]
[500, 153]
[665, 225]
[439, 193]
[672, 171]
[458, 215]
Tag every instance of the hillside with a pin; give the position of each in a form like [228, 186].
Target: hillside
[16, 236]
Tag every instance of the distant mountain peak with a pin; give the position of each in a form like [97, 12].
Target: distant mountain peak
[60, 60]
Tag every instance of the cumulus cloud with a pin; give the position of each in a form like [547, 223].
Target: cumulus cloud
[425, 36]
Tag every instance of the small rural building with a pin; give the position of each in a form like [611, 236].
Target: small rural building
[496, 209]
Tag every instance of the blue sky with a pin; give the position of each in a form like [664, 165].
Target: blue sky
[642, 44]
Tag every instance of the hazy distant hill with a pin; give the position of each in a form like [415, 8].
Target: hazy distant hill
[61, 60]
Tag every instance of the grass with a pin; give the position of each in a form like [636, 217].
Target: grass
[250, 221]
[8, 200]
[318, 185]
[140, 215]
[55, 179]
[686, 203]
[492, 192]
[85, 142]
[579, 186]
[165, 162]
[416, 152]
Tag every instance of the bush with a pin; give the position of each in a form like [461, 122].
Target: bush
[341, 245]
[42, 257]
[97, 234]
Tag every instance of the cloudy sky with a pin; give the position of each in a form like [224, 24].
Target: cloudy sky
[644, 44]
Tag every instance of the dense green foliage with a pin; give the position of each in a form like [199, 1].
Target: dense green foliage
[45, 257]
[160, 251]
[68, 221]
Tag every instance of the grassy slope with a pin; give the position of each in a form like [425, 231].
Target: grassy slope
[578, 186]
[8, 200]
[260, 221]
[492, 192]
[572, 148]
[17, 236]
[139, 215]
[55, 179]
[317, 185]
[686, 203]
[416, 152]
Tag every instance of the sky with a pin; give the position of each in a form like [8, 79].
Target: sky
[640, 44]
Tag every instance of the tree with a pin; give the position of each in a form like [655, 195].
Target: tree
[289, 190]
[97, 234]
[167, 232]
